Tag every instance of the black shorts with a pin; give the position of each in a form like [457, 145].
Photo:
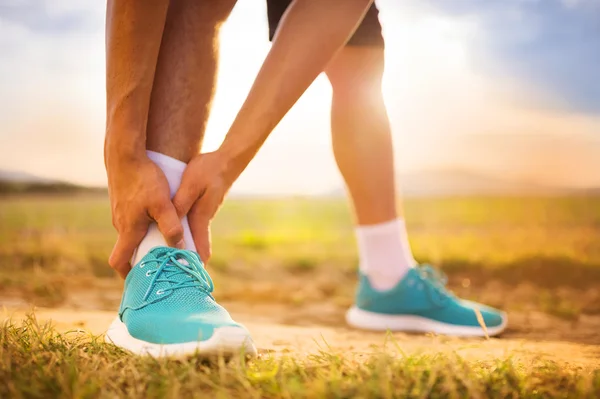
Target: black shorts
[368, 32]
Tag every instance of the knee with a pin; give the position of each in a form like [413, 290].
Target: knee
[357, 71]
[219, 9]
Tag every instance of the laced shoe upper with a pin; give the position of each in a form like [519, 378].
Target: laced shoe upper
[422, 292]
[168, 299]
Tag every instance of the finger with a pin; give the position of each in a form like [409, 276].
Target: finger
[123, 251]
[200, 217]
[187, 194]
[200, 227]
[169, 223]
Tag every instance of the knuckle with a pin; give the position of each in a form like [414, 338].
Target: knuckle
[113, 264]
[196, 186]
[174, 232]
[159, 206]
[134, 230]
[178, 204]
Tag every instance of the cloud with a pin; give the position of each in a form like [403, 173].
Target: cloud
[52, 95]
[51, 17]
[52, 101]
[550, 46]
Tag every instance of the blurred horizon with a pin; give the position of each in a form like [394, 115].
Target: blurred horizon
[425, 183]
[499, 89]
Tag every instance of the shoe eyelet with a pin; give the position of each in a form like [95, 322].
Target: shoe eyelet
[148, 273]
[142, 264]
[160, 292]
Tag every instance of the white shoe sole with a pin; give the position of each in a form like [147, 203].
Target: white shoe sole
[365, 320]
[225, 341]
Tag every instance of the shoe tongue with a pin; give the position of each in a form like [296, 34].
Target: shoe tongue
[152, 240]
[159, 252]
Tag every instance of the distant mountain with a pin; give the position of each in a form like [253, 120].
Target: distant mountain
[450, 182]
[595, 191]
[14, 182]
[464, 182]
[22, 177]
[425, 183]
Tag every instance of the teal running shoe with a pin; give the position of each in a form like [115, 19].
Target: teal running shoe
[168, 309]
[421, 303]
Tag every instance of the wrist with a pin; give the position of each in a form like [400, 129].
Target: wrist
[123, 147]
[231, 171]
[234, 158]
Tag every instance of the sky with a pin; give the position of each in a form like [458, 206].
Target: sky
[508, 88]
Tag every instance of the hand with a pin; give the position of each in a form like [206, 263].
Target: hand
[139, 195]
[204, 185]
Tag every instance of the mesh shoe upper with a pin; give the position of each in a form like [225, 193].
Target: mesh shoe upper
[168, 299]
[422, 292]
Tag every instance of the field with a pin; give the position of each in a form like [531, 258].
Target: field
[286, 268]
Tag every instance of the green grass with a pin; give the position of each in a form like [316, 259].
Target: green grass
[74, 234]
[37, 362]
[549, 242]
[295, 252]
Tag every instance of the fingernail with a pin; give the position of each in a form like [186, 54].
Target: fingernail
[180, 244]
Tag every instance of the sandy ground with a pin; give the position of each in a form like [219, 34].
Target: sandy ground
[530, 338]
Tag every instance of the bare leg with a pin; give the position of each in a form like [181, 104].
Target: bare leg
[185, 77]
[362, 144]
[182, 93]
[362, 141]
[181, 96]
[310, 34]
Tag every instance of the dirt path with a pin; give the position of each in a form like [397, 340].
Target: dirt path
[292, 332]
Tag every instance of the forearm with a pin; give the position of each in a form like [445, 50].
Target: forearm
[134, 30]
[310, 34]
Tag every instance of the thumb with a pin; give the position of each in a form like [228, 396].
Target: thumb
[124, 249]
[169, 224]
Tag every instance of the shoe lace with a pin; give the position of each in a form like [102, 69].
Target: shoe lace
[435, 280]
[176, 262]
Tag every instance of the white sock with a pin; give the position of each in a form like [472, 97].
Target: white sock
[173, 170]
[384, 253]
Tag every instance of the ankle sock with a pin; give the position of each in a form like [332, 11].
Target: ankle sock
[384, 253]
[173, 170]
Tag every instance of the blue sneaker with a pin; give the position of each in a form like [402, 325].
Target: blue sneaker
[168, 309]
[421, 303]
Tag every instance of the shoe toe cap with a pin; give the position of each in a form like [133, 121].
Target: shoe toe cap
[491, 317]
[171, 329]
